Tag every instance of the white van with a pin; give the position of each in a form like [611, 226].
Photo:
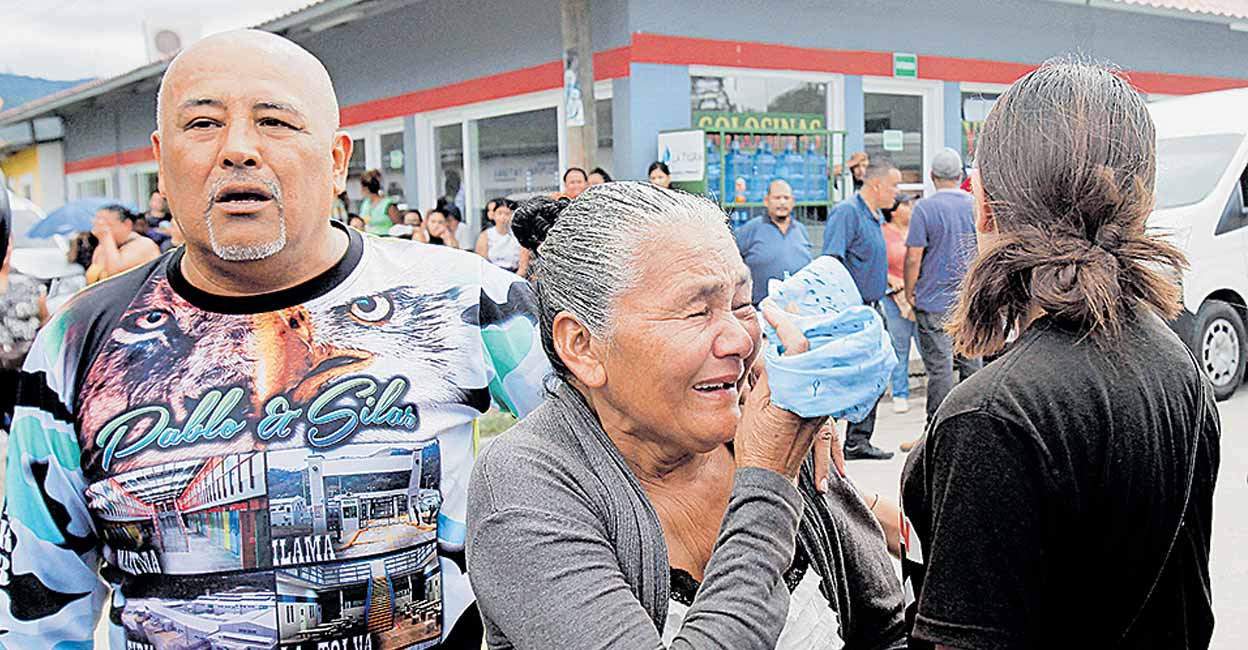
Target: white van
[1202, 184]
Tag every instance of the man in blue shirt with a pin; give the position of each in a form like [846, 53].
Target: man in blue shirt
[854, 236]
[775, 245]
[939, 250]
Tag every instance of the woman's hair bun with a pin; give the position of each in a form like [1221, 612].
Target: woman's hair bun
[534, 218]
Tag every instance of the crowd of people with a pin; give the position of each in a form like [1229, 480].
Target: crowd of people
[386, 216]
[653, 494]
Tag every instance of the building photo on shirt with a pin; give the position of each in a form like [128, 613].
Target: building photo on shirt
[352, 502]
[390, 602]
[201, 612]
[189, 517]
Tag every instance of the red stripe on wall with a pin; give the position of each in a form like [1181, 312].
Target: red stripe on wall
[507, 84]
[977, 70]
[142, 154]
[947, 68]
[680, 50]
[1178, 84]
[612, 64]
[607, 65]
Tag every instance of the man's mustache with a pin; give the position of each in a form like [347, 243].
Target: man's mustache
[273, 189]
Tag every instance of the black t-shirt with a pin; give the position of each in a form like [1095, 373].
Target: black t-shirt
[1040, 509]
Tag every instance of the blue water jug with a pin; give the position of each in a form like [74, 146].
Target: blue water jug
[740, 167]
[816, 173]
[795, 166]
[713, 169]
[764, 171]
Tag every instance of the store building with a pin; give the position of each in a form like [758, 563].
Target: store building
[464, 99]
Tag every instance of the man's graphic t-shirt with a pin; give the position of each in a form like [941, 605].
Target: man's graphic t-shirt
[286, 470]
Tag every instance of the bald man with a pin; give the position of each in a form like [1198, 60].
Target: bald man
[774, 245]
[251, 434]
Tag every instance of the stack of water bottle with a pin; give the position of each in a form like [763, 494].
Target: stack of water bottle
[747, 175]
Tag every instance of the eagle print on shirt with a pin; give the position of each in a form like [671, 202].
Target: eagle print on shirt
[287, 478]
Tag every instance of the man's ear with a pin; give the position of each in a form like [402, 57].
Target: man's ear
[160, 176]
[342, 157]
[574, 345]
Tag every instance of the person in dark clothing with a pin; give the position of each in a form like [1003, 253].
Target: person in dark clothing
[854, 236]
[1063, 495]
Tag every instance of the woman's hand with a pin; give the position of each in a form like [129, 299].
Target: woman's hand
[767, 435]
[829, 455]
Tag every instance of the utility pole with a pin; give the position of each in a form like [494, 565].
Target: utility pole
[578, 84]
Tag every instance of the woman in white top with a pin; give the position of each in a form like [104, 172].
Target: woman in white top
[498, 244]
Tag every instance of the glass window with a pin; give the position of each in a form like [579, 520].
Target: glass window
[517, 155]
[392, 165]
[885, 116]
[606, 137]
[749, 94]
[142, 185]
[1188, 168]
[355, 169]
[93, 188]
[975, 108]
[449, 143]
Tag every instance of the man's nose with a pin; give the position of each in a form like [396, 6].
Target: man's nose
[240, 147]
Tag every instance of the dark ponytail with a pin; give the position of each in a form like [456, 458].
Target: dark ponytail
[1067, 161]
[533, 219]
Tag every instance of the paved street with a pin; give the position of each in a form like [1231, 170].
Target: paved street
[1230, 536]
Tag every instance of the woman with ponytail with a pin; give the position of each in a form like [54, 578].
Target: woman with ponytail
[1063, 495]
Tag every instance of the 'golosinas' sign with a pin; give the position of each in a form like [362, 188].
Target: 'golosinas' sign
[714, 120]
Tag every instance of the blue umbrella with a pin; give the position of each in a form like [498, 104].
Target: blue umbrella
[75, 216]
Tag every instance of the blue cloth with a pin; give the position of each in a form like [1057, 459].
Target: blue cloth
[850, 358]
[902, 332]
[943, 225]
[853, 234]
[770, 254]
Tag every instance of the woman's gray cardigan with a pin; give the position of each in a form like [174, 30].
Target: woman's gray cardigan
[565, 550]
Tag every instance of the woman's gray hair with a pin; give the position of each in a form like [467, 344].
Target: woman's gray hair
[590, 254]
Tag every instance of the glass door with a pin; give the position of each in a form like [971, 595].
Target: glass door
[393, 166]
[355, 168]
[893, 129]
[449, 145]
[903, 120]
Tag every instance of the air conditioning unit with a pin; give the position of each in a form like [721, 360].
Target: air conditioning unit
[164, 38]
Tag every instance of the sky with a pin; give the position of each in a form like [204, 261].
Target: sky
[74, 39]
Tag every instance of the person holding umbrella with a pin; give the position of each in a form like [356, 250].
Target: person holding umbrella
[120, 247]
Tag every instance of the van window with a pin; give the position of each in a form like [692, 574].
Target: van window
[1189, 167]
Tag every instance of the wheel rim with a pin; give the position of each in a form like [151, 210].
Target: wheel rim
[1220, 352]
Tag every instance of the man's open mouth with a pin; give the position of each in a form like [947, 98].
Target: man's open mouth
[242, 198]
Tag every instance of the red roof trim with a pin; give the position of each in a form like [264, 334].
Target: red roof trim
[680, 50]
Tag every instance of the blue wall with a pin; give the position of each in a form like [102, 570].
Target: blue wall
[96, 127]
[652, 99]
[437, 42]
[1027, 31]
[953, 116]
[855, 115]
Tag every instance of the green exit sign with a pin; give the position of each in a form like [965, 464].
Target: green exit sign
[905, 65]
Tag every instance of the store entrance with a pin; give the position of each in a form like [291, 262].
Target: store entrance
[893, 129]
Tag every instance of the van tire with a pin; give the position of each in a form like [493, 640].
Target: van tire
[1220, 346]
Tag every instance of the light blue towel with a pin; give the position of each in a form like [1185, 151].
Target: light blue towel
[850, 357]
